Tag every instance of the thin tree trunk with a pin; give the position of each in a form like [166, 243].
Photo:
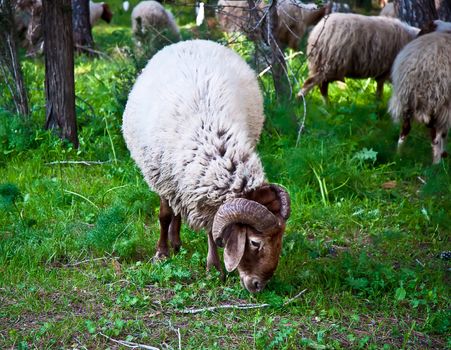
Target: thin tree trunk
[9, 61]
[59, 69]
[416, 12]
[278, 64]
[82, 26]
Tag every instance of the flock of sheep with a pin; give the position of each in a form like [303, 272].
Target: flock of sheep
[195, 115]
[347, 45]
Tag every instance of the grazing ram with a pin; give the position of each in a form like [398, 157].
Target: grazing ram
[191, 123]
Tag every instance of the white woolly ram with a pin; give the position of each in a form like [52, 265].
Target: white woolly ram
[355, 46]
[191, 124]
[421, 79]
[151, 16]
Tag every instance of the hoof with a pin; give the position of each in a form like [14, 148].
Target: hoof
[159, 256]
[218, 268]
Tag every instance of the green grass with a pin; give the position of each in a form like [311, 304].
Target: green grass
[76, 240]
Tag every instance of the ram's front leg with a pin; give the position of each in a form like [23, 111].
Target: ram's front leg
[213, 256]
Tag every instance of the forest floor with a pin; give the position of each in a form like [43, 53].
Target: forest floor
[360, 266]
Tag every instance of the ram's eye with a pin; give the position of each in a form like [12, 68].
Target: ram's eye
[255, 244]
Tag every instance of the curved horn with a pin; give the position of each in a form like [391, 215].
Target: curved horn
[242, 211]
[284, 197]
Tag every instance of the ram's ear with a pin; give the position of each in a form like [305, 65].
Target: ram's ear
[234, 248]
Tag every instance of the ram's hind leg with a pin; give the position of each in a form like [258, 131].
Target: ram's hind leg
[174, 233]
[165, 218]
[405, 129]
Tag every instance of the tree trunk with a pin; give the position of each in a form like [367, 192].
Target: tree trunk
[416, 12]
[278, 64]
[83, 41]
[59, 69]
[443, 9]
[9, 61]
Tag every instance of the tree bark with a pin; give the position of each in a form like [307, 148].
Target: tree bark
[59, 69]
[82, 26]
[278, 64]
[9, 61]
[416, 12]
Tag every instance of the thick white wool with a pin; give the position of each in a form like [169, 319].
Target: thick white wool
[191, 123]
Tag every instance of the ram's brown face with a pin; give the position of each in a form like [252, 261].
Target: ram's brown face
[250, 230]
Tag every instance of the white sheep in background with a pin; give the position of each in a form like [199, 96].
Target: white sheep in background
[151, 16]
[421, 79]
[355, 46]
[99, 10]
[294, 19]
[191, 123]
[388, 10]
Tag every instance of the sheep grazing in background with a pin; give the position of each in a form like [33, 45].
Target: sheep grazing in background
[99, 10]
[355, 46]
[388, 10]
[27, 18]
[191, 123]
[294, 19]
[151, 16]
[421, 79]
[234, 15]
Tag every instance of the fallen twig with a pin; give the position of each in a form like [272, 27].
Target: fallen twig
[237, 306]
[89, 260]
[88, 49]
[82, 162]
[129, 344]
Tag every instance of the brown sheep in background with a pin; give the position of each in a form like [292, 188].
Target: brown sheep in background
[295, 18]
[422, 88]
[349, 45]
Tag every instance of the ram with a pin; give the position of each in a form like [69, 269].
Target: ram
[191, 123]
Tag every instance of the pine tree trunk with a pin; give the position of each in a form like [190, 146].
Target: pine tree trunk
[416, 12]
[82, 26]
[9, 61]
[59, 69]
